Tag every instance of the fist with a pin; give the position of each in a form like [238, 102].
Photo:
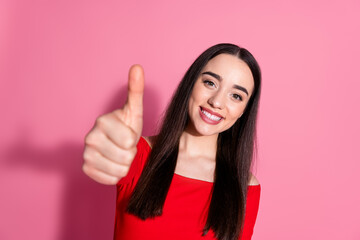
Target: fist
[110, 146]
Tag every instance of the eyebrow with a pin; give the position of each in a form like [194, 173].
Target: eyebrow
[220, 79]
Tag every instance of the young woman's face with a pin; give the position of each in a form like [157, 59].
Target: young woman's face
[220, 95]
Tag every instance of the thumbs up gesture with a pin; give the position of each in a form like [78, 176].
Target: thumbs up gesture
[110, 146]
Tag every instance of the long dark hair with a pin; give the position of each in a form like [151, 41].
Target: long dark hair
[235, 152]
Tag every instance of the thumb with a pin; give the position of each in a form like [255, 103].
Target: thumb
[135, 97]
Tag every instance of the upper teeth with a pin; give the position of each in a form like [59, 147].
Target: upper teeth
[212, 117]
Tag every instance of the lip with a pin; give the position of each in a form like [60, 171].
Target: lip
[211, 112]
[208, 120]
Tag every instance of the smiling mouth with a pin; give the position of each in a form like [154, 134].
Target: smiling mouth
[210, 116]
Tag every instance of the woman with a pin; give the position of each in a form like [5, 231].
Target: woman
[193, 179]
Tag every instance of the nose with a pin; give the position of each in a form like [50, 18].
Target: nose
[217, 100]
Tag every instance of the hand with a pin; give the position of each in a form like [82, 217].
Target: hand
[110, 146]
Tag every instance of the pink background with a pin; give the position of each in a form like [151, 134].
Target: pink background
[63, 63]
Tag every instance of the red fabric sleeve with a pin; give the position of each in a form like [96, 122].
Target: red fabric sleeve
[252, 207]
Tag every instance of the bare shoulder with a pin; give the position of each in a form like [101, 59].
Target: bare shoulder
[150, 140]
[253, 180]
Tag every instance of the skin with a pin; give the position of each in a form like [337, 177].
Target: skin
[110, 146]
[197, 149]
[220, 96]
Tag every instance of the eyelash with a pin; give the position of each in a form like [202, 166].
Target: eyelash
[209, 83]
[212, 84]
[237, 97]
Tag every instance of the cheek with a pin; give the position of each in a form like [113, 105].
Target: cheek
[192, 106]
[192, 100]
[196, 93]
[197, 98]
[234, 112]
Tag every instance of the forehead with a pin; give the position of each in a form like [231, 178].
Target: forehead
[232, 70]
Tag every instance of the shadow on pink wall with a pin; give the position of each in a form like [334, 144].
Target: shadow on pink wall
[88, 208]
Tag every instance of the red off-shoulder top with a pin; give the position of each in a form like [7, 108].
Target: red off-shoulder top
[184, 211]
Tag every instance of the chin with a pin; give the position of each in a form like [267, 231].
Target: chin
[205, 131]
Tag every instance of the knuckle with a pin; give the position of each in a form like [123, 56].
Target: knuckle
[92, 158]
[127, 160]
[132, 154]
[101, 121]
[128, 156]
[91, 138]
[88, 138]
[118, 155]
[101, 178]
[130, 141]
[86, 155]
[125, 143]
[125, 171]
[118, 171]
[124, 156]
[113, 181]
[86, 169]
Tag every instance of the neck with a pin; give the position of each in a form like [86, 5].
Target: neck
[195, 145]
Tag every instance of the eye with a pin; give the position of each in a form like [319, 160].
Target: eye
[237, 97]
[209, 83]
